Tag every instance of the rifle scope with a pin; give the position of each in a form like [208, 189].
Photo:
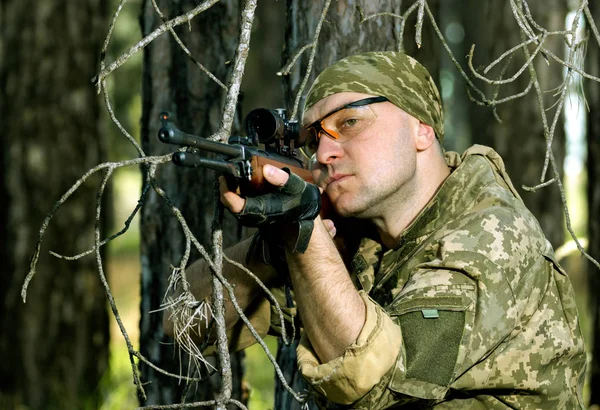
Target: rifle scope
[268, 125]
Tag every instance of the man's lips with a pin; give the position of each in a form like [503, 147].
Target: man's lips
[336, 178]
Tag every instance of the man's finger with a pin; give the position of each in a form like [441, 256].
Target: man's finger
[230, 199]
[330, 226]
[274, 175]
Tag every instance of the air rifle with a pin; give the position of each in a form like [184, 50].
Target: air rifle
[241, 157]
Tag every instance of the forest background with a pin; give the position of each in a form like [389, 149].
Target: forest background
[56, 127]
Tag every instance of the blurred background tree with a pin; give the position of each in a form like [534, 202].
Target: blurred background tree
[172, 82]
[518, 138]
[54, 348]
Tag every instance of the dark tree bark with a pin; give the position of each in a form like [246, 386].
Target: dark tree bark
[171, 82]
[519, 139]
[342, 35]
[54, 348]
[593, 193]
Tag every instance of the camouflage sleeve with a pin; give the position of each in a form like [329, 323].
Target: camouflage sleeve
[352, 375]
[436, 312]
[407, 352]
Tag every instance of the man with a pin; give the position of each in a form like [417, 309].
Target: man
[453, 300]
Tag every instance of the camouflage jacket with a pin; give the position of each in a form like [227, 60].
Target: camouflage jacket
[469, 311]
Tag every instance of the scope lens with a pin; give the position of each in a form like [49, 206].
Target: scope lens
[264, 123]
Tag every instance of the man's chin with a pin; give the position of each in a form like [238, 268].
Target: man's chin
[347, 208]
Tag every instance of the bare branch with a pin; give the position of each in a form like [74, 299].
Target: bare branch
[126, 226]
[287, 69]
[208, 403]
[65, 197]
[419, 27]
[364, 18]
[114, 119]
[530, 17]
[506, 54]
[110, 30]
[508, 80]
[592, 24]
[241, 55]
[267, 292]
[111, 300]
[185, 49]
[141, 358]
[563, 94]
[311, 60]
[520, 19]
[494, 102]
[539, 186]
[451, 54]
[402, 18]
[572, 66]
[218, 302]
[140, 45]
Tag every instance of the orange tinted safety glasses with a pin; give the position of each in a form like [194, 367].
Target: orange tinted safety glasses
[341, 124]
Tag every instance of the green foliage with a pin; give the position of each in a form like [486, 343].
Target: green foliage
[117, 389]
[575, 191]
[126, 185]
[260, 375]
[118, 392]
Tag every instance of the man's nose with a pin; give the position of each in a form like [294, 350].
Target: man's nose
[329, 149]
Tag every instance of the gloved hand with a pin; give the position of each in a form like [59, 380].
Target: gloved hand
[295, 202]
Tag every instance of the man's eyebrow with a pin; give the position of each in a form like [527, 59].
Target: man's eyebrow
[306, 123]
[336, 108]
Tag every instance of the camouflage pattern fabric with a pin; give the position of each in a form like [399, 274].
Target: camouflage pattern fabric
[486, 316]
[397, 76]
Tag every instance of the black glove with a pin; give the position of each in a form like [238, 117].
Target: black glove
[296, 201]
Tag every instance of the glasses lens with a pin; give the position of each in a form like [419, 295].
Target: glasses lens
[340, 126]
[309, 140]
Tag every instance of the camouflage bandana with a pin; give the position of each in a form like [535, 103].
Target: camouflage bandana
[396, 76]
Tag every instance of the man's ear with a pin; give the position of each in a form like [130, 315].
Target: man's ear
[425, 137]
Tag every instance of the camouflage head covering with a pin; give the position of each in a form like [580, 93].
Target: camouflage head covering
[396, 76]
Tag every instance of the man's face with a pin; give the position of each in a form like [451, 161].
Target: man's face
[374, 169]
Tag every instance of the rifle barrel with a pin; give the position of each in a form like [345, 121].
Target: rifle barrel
[171, 135]
[188, 159]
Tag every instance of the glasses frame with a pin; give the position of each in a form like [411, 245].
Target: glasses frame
[318, 127]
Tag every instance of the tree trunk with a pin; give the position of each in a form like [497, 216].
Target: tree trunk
[519, 139]
[171, 82]
[54, 348]
[342, 34]
[592, 93]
